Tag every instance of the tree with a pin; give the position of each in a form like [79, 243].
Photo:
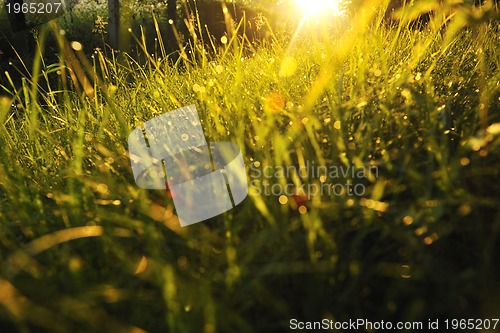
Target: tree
[171, 17]
[114, 23]
[17, 20]
[172, 10]
[22, 41]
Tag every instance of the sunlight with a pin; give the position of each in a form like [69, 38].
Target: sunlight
[317, 7]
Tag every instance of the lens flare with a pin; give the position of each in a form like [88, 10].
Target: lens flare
[319, 7]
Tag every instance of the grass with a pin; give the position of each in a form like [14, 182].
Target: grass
[83, 249]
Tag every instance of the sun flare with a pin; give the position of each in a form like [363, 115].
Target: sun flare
[317, 7]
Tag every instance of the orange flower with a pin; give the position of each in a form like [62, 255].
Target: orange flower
[274, 103]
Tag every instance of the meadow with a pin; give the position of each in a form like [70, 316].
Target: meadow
[84, 249]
